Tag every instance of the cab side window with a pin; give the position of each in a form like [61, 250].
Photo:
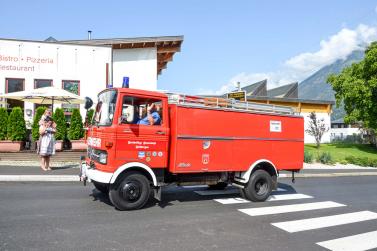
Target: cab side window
[141, 111]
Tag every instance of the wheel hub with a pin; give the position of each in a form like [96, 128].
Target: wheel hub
[131, 191]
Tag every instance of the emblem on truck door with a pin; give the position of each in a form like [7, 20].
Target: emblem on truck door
[206, 144]
[205, 159]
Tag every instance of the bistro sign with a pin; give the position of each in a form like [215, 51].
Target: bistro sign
[241, 95]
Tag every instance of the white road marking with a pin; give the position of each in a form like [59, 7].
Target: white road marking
[327, 221]
[294, 196]
[359, 242]
[281, 189]
[277, 197]
[290, 208]
[232, 201]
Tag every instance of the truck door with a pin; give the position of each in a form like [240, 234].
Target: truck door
[143, 131]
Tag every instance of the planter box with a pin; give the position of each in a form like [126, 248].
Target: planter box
[78, 145]
[59, 145]
[11, 146]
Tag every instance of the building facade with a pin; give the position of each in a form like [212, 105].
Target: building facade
[83, 67]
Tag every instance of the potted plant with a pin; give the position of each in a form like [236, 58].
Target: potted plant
[61, 128]
[35, 127]
[76, 131]
[16, 130]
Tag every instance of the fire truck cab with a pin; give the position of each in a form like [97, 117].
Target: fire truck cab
[141, 141]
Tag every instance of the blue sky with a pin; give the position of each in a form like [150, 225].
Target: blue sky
[225, 41]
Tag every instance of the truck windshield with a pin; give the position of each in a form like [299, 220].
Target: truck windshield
[105, 108]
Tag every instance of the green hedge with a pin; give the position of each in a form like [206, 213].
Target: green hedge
[76, 130]
[61, 124]
[16, 125]
[35, 127]
[3, 123]
[361, 161]
[89, 117]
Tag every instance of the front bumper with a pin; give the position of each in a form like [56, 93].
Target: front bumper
[88, 173]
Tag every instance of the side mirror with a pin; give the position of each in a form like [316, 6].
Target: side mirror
[88, 103]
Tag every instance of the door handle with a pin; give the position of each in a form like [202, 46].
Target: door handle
[127, 130]
[160, 132]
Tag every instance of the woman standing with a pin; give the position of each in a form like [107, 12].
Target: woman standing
[47, 142]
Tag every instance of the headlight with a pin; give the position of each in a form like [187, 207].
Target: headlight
[102, 158]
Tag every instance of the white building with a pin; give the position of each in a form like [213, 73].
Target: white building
[341, 131]
[84, 67]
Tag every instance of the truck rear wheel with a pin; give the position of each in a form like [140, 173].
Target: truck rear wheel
[103, 188]
[259, 186]
[131, 193]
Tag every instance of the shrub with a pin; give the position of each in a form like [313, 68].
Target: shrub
[16, 125]
[325, 158]
[343, 162]
[3, 123]
[89, 117]
[76, 130]
[308, 157]
[362, 161]
[35, 127]
[61, 124]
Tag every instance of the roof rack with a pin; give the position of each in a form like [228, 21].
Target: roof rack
[231, 104]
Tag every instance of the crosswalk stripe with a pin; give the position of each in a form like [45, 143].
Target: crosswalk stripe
[326, 221]
[294, 196]
[359, 242]
[232, 201]
[226, 191]
[277, 197]
[290, 208]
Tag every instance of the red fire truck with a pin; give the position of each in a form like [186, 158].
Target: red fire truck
[196, 140]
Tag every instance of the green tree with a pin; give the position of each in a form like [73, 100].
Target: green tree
[76, 130]
[356, 86]
[3, 123]
[16, 125]
[35, 127]
[61, 124]
[89, 117]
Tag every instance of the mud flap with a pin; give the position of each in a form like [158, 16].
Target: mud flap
[157, 193]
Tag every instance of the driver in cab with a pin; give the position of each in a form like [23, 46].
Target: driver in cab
[152, 117]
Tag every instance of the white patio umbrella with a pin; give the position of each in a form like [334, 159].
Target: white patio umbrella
[46, 95]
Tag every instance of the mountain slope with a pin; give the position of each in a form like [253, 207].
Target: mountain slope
[316, 87]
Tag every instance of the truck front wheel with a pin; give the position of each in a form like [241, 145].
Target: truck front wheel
[259, 186]
[132, 192]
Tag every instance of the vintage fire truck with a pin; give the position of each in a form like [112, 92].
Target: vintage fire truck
[197, 140]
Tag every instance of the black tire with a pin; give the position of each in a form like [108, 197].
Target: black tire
[130, 193]
[218, 186]
[259, 186]
[103, 188]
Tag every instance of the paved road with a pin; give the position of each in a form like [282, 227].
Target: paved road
[61, 216]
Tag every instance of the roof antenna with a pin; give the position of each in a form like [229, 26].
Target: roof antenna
[89, 34]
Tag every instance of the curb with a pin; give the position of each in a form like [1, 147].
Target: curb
[70, 178]
[328, 175]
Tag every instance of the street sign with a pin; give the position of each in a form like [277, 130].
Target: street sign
[241, 95]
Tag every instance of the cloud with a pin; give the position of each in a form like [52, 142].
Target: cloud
[299, 67]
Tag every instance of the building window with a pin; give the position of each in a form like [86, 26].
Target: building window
[72, 86]
[40, 83]
[14, 85]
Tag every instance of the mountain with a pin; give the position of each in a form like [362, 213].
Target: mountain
[315, 87]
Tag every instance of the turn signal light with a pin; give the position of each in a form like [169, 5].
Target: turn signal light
[108, 144]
